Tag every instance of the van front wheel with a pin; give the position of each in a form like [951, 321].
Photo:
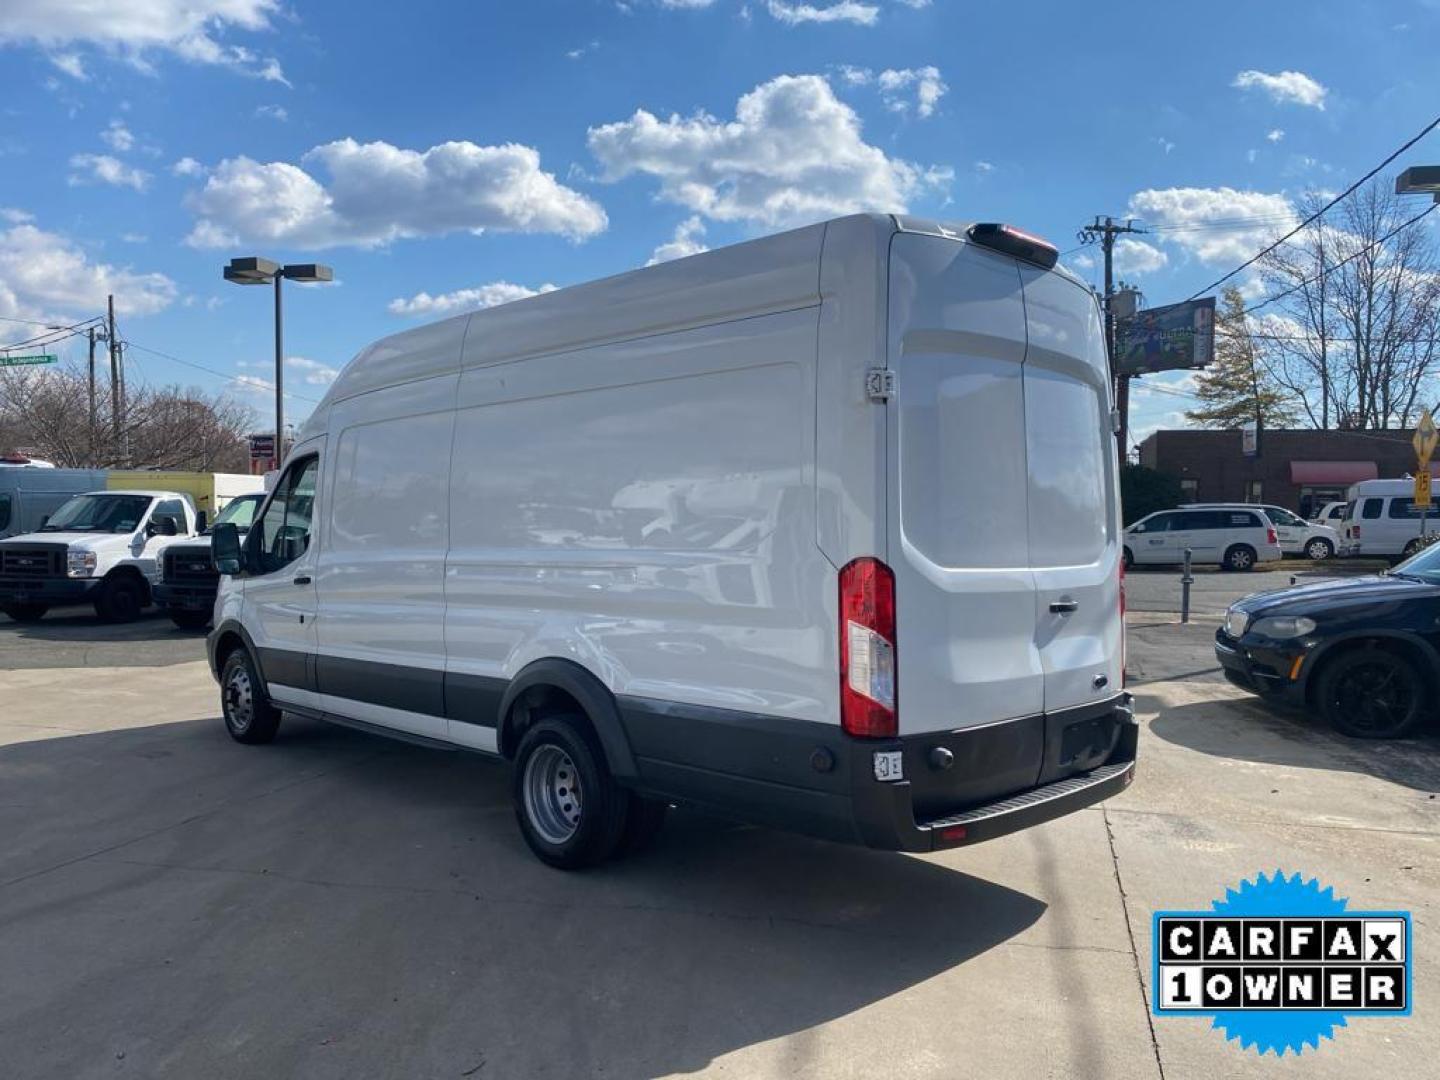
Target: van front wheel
[250, 717]
[1240, 557]
[569, 808]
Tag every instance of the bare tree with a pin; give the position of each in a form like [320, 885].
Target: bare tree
[1363, 310]
[47, 413]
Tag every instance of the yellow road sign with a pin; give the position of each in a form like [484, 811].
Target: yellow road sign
[1425, 438]
[1422, 488]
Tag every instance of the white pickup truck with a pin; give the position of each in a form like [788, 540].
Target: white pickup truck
[102, 547]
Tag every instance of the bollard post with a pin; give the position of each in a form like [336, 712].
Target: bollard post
[1185, 581]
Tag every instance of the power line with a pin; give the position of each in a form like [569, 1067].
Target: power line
[1321, 212]
[242, 380]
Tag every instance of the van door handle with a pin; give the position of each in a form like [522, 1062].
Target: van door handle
[303, 579]
[1065, 607]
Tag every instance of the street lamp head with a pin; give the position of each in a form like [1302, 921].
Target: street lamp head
[251, 271]
[1419, 180]
[308, 272]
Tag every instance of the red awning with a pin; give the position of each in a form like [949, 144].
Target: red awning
[1332, 472]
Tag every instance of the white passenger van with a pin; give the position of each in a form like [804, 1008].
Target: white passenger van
[1381, 519]
[820, 531]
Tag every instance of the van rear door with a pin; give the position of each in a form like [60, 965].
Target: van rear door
[958, 503]
[1073, 492]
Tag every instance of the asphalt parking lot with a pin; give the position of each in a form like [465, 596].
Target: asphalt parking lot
[173, 904]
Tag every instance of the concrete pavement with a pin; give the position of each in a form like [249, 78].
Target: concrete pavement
[174, 904]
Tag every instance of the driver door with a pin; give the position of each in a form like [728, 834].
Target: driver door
[1154, 544]
[280, 596]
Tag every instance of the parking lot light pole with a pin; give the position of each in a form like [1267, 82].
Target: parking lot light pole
[257, 271]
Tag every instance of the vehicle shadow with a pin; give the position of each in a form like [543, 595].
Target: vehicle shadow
[1252, 729]
[337, 904]
[76, 635]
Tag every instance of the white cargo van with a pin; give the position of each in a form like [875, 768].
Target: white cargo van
[1381, 519]
[819, 531]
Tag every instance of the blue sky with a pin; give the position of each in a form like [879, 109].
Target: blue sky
[444, 155]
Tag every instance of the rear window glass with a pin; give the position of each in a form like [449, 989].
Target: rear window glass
[1241, 519]
[1371, 508]
[1199, 519]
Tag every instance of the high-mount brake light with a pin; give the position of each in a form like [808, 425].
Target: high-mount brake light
[1016, 242]
[867, 649]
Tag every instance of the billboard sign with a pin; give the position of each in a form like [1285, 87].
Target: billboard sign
[1176, 337]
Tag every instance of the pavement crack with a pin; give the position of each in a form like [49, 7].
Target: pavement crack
[1130, 933]
[1270, 823]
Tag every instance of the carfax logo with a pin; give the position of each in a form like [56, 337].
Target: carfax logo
[1280, 963]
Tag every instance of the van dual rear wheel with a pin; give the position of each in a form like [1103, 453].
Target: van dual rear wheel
[1240, 557]
[570, 810]
[249, 715]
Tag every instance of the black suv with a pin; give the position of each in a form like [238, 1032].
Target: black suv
[1362, 651]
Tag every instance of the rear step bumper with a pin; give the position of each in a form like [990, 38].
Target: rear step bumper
[886, 818]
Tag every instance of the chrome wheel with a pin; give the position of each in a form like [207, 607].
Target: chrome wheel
[1318, 549]
[239, 700]
[552, 794]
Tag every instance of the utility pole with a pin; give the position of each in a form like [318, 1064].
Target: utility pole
[90, 332]
[1105, 230]
[117, 405]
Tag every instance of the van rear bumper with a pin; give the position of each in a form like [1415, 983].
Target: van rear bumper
[957, 787]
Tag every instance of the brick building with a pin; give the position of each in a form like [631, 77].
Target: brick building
[1300, 469]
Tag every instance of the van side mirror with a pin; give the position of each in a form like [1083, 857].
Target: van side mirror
[163, 525]
[225, 548]
[201, 519]
[1138, 528]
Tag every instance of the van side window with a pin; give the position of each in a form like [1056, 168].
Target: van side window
[171, 508]
[1199, 519]
[1242, 519]
[285, 529]
[4, 512]
[1403, 506]
[1371, 508]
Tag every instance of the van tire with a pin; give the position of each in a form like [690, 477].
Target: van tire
[1129, 558]
[1320, 548]
[190, 620]
[121, 599]
[1240, 557]
[570, 811]
[1412, 548]
[25, 613]
[1372, 693]
[249, 715]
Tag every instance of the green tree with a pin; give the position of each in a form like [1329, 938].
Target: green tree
[1144, 490]
[1237, 388]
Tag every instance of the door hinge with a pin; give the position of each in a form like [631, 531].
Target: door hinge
[879, 384]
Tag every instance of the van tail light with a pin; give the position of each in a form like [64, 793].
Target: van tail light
[1270, 536]
[867, 649]
[1123, 675]
[1354, 532]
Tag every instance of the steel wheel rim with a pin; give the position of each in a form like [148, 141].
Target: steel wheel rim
[1375, 696]
[552, 794]
[239, 700]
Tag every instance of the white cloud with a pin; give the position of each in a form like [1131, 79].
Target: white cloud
[576, 54]
[1285, 87]
[117, 136]
[14, 216]
[984, 168]
[187, 166]
[312, 372]
[1275, 135]
[70, 64]
[376, 193]
[843, 11]
[688, 240]
[423, 305]
[895, 86]
[272, 112]
[104, 169]
[135, 29]
[44, 276]
[793, 153]
[1215, 225]
[1134, 257]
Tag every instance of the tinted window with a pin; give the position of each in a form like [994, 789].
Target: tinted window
[285, 528]
[1160, 522]
[1240, 519]
[1403, 507]
[1198, 519]
[4, 512]
[1371, 508]
[171, 508]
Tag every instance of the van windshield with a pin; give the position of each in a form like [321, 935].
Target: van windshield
[99, 513]
[238, 512]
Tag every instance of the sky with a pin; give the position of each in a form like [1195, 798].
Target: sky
[446, 156]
